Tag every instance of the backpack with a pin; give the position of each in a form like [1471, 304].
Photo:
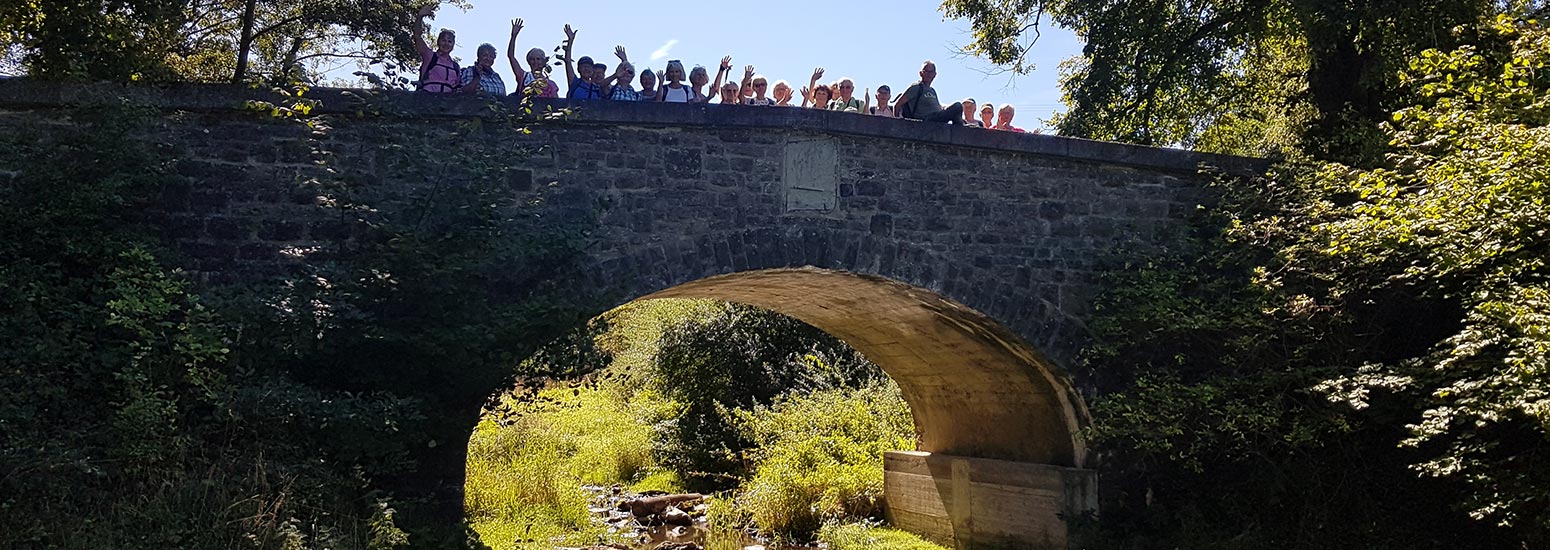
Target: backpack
[425, 72]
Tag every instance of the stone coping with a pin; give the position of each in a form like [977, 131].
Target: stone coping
[22, 93]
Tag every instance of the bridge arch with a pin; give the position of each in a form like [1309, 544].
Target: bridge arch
[1001, 460]
[976, 389]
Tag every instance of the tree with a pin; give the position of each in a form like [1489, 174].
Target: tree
[1461, 218]
[205, 40]
[1165, 72]
[737, 357]
[1349, 329]
[97, 39]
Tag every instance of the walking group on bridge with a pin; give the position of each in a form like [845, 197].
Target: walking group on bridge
[591, 80]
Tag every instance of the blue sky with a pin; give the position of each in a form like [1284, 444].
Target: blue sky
[870, 42]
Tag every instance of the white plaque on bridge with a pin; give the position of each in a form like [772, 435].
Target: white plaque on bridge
[810, 176]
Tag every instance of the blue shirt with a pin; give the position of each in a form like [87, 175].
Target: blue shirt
[581, 89]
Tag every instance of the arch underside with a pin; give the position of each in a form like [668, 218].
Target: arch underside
[976, 389]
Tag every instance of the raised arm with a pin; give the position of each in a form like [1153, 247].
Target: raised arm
[420, 47]
[715, 86]
[807, 92]
[570, 64]
[608, 83]
[621, 54]
[511, 53]
[746, 86]
[866, 105]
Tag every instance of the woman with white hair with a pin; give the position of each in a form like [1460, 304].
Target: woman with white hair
[674, 90]
[783, 94]
[535, 79]
[481, 76]
[754, 87]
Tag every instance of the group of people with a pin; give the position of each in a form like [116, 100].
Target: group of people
[588, 79]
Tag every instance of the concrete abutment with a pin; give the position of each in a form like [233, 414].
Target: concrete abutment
[977, 503]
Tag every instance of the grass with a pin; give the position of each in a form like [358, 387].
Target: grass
[526, 466]
[820, 457]
[817, 457]
[855, 536]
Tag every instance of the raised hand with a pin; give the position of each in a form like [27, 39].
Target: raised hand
[748, 71]
[817, 74]
[726, 63]
[570, 34]
[428, 11]
[806, 93]
[619, 52]
[516, 27]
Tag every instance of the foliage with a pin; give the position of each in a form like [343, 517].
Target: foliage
[1460, 218]
[819, 456]
[122, 385]
[534, 448]
[856, 536]
[118, 41]
[449, 279]
[521, 491]
[818, 453]
[1190, 73]
[204, 40]
[309, 411]
[737, 357]
[1281, 385]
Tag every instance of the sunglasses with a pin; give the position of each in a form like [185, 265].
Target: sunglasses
[760, 84]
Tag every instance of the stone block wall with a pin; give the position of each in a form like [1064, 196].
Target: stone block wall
[1013, 227]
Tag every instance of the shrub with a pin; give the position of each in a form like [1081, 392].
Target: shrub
[519, 487]
[527, 462]
[739, 356]
[820, 456]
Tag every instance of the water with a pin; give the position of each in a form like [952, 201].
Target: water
[651, 533]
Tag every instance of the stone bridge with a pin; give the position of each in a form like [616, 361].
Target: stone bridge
[962, 261]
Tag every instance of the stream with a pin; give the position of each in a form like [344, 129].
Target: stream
[680, 525]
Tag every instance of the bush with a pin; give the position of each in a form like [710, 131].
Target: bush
[519, 487]
[738, 356]
[820, 456]
[527, 462]
[131, 418]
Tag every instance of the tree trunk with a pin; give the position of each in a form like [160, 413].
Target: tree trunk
[245, 44]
